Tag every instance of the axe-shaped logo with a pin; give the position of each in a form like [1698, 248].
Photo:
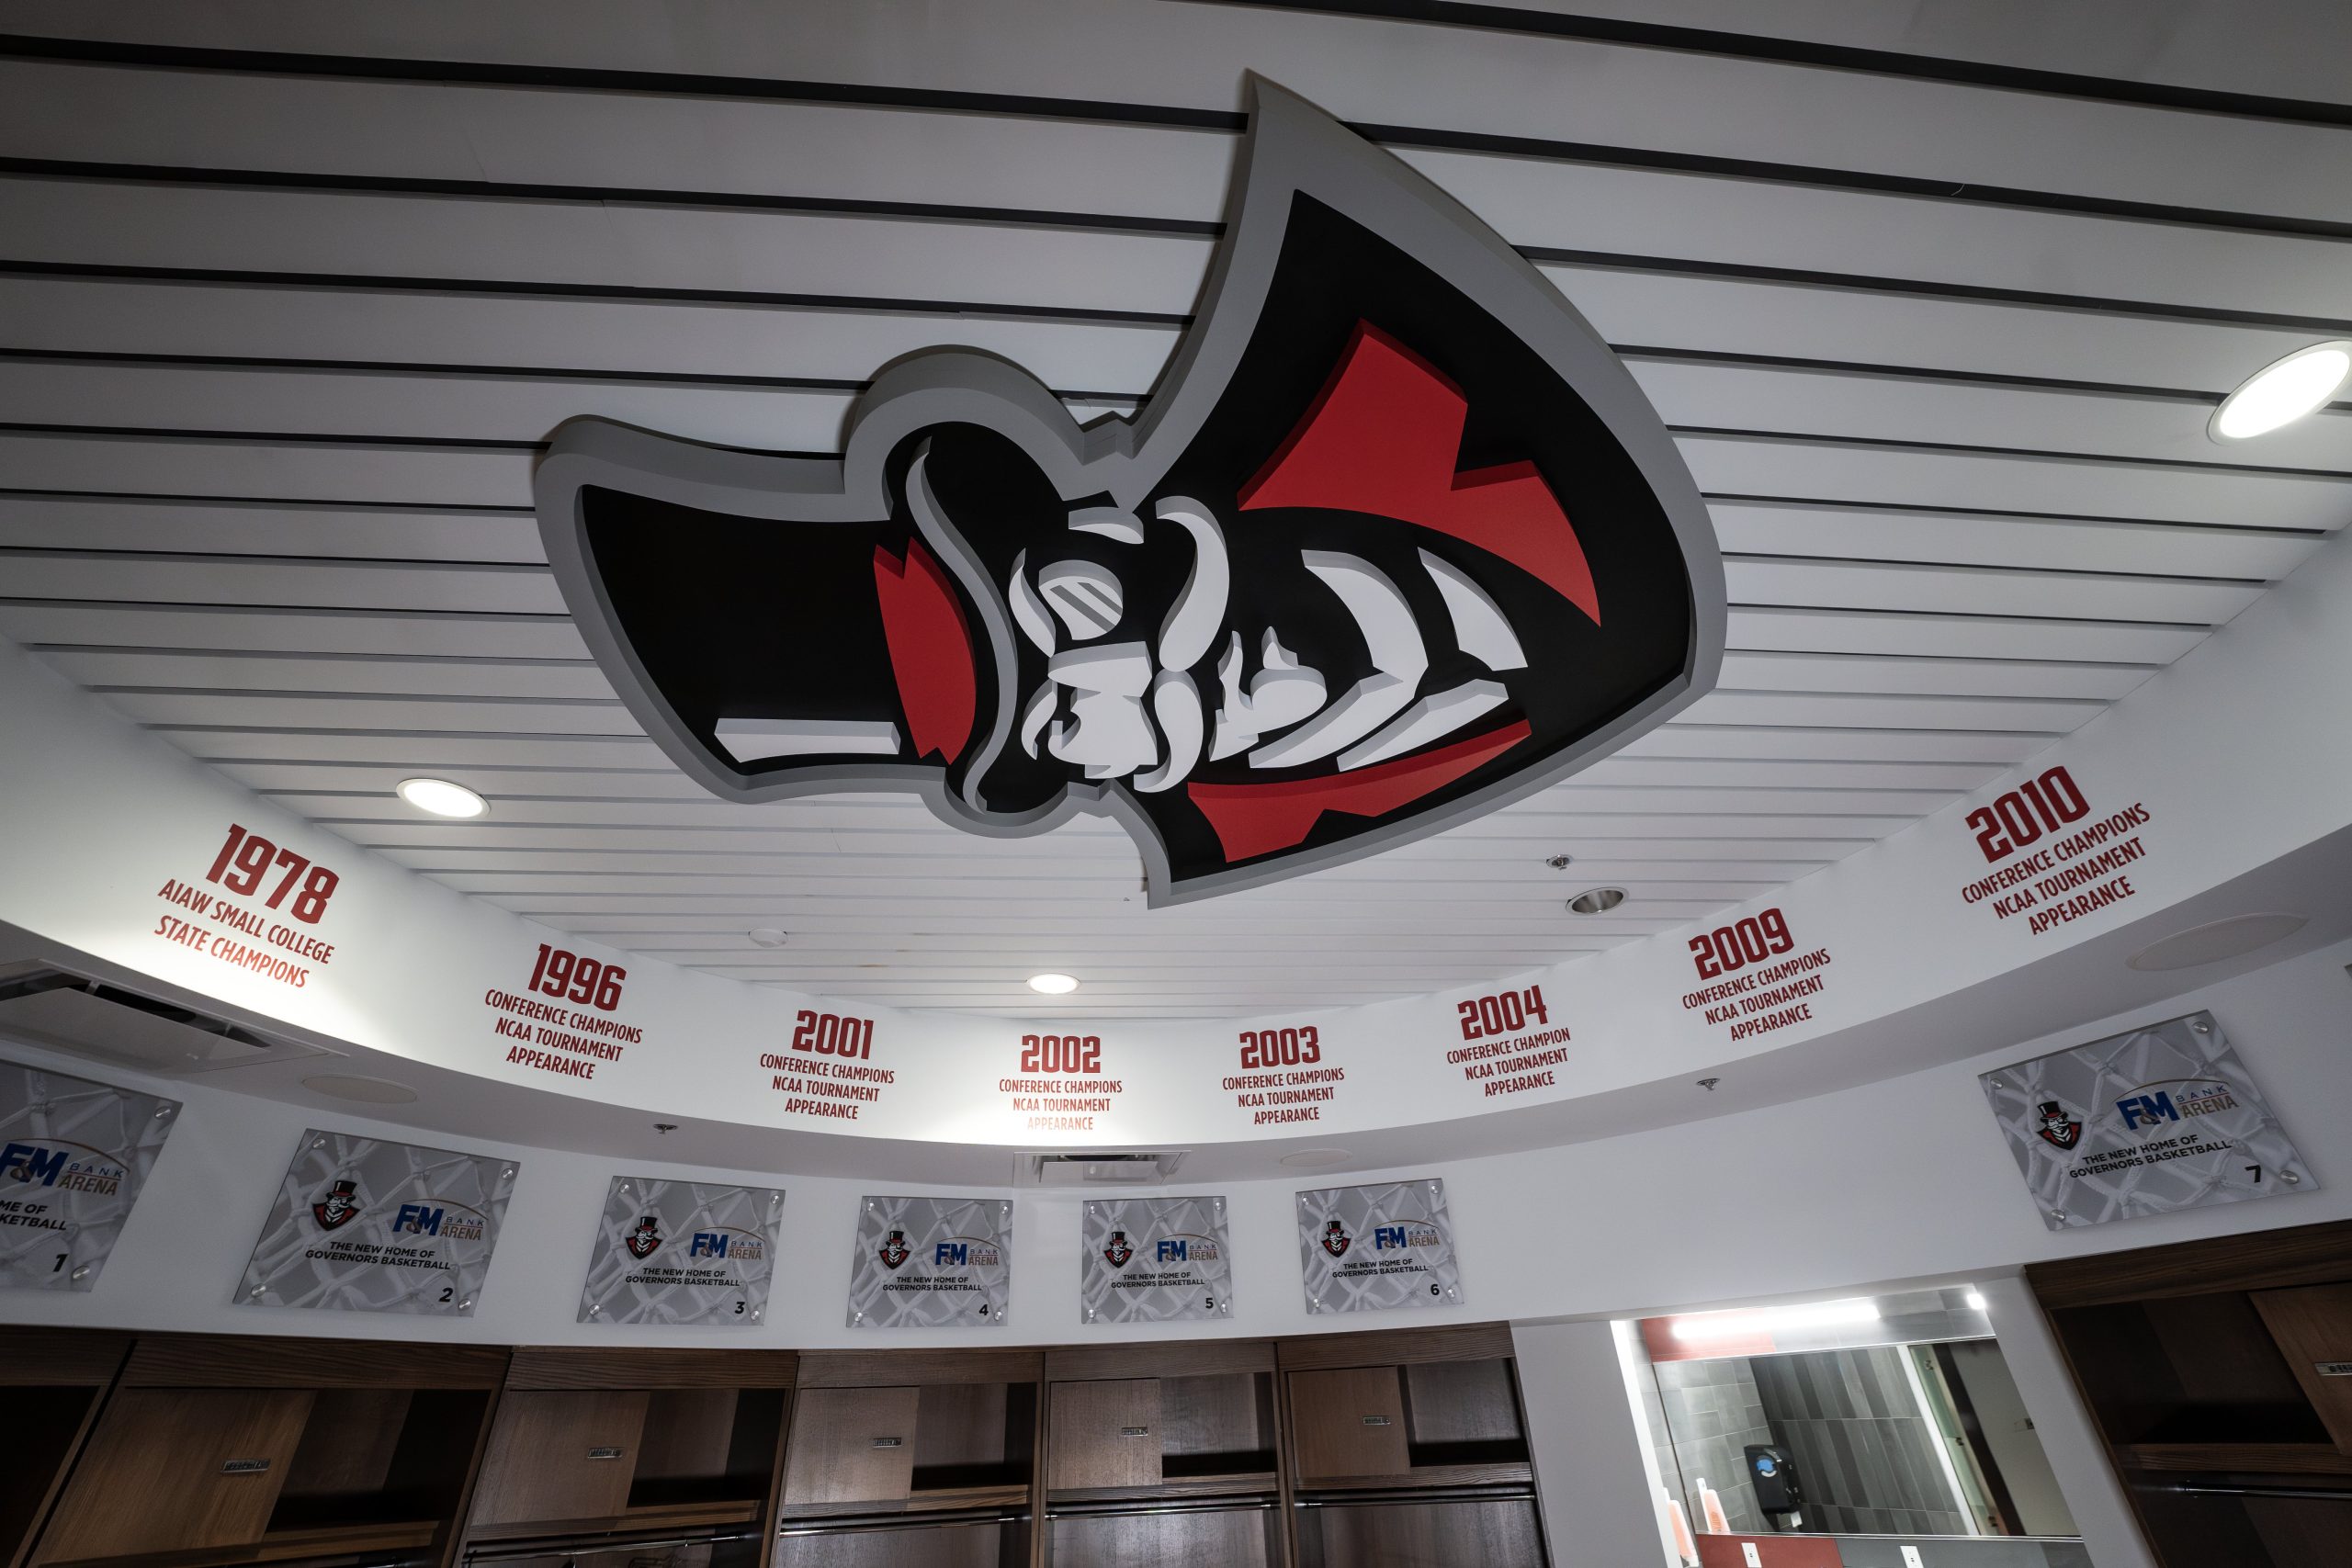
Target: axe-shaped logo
[1395, 541]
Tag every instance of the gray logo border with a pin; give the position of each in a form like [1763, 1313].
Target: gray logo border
[1291, 147]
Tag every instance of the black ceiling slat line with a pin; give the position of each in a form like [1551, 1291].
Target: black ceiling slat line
[497, 660]
[622, 195]
[2080, 304]
[1759, 171]
[529, 569]
[1661, 36]
[1818, 438]
[418, 370]
[2003, 617]
[336, 611]
[501, 288]
[362, 699]
[1806, 557]
[1660, 354]
[377, 611]
[1687, 39]
[1792, 437]
[270, 438]
[163, 498]
[264, 557]
[523, 661]
[1940, 508]
[1644, 353]
[262, 503]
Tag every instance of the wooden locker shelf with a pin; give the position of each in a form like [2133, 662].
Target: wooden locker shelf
[2237, 1459]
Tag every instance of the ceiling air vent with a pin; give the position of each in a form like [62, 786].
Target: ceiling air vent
[1144, 1169]
[91, 1018]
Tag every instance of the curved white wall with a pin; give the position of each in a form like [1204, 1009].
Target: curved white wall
[2211, 771]
[1897, 1180]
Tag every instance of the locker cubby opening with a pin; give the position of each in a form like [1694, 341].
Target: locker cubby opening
[1217, 1426]
[43, 1425]
[2188, 1369]
[1461, 1413]
[380, 1456]
[707, 1445]
[969, 1436]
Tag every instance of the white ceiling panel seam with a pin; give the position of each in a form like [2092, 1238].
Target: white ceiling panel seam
[1763, 81]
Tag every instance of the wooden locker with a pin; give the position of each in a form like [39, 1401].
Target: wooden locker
[1105, 1434]
[1348, 1421]
[177, 1470]
[2314, 1328]
[851, 1445]
[560, 1454]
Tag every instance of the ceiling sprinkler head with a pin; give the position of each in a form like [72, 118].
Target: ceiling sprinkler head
[1561, 862]
[666, 1128]
[1709, 1084]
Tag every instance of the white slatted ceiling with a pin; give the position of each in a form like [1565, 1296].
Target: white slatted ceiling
[266, 421]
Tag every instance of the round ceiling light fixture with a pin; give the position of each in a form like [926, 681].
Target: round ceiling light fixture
[365, 1092]
[2201, 946]
[767, 936]
[2283, 391]
[442, 798]
[1596, 900]
[1053, 985]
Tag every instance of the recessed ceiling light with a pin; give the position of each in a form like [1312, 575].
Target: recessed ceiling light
[2283, 391]
[442, 798]
[2232, 938]
[1053, 985]
[1975, 1301]
[767, 936]
[366, 1091]
[1596, 900]
[1306, 1159]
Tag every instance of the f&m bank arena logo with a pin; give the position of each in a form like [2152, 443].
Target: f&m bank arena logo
[62, 1166]
[2167, 1100]
[733, 1246]
[1185, 1249]
[964, 1252]
[1401, 1238]
[433, 1217]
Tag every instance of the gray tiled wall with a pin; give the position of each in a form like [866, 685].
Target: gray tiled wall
[1713, 1411]
[1865, 1451]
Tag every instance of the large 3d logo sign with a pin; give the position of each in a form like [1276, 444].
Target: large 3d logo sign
[1395, 541]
